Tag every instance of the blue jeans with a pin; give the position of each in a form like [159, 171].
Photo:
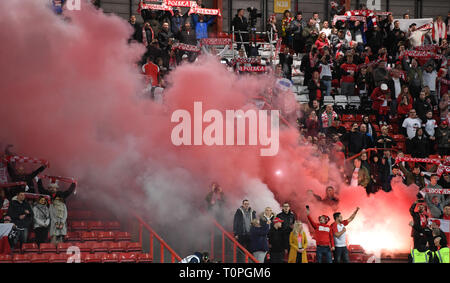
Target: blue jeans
[328, 86]
[325, 252]
[341, 255]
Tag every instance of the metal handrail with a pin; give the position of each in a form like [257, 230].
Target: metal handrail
[236, 244]
[153, 234]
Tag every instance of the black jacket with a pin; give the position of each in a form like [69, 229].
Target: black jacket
[27, 178]
[163, 39]
[63, 194]
[420, 147]
[356, 141]
[276, 240]
[289, 219]
[16, 209]
[238, 222]
[387, 142]
[186, 38]
[391, 86]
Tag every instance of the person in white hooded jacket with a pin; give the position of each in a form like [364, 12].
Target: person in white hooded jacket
[41, 220]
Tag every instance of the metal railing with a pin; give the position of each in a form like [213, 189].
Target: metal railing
[236, 247]
[154, 236]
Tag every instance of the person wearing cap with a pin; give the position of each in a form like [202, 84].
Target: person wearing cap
[324, 237]
[443, 138]
[276, 242]
[381, 97]
[21, 215]
[53, 189]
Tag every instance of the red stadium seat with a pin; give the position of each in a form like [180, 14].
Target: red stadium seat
[372, 118]
[80, 214]
[110, 258]
[144, 258]
[73, 236]
[356, 257]
[134, 247]
[6, 258]
[355, 249]
[39, 258]
[88, 236]
[95, 225]
[118, 247]
[88, 258]
[359, 118]
[79, 226]
[123, 236]
[127, 257]
[85, 247]
[112, 225]
[21, 258]
[105, 236]
[58, 258]
[99, 247]
[399, 137]
[47, 248]
[62, 247]
[30, 248]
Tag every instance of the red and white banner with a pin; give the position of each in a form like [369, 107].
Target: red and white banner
[359, 67]
[245, 61]
[59, 178]
[425, 26]
[428, 47]
[252, 68]
[421, 160]
[382, 13]
[204, 11]
[24, 159]
[442, 169]
[163, 7]
[173, 3]
[351, 18]
[421, 54]
[215, 41]
[186, 47]
[436, 191]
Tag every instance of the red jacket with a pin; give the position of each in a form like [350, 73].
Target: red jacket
[378, 97]
[322, 233]
[404, 109]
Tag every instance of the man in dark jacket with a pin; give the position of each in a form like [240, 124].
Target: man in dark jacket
[21, 215]
[21, 176]
[242, 223]
[296, 28]
[241, 30]
[414, 177]
[53, 189]
[420, 222]
[177, 22]
[288, 217]
[165, 37]
[187, 36]
[384, 140]
[276, 241]
[137, 34]
[356, 141]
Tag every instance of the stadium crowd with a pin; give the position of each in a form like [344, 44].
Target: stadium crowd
[35, 212]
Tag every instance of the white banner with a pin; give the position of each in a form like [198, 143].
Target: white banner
[404, 23]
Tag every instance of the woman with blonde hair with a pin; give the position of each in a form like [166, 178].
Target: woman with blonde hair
[298, 244]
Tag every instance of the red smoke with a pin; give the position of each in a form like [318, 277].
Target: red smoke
[71, 93]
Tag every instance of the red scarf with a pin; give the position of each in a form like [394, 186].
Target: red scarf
[24, 159]
[252, 68]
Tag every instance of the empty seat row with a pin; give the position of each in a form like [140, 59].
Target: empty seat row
[63, 258]
[94, 225]
[89, 247]
[98, 236]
